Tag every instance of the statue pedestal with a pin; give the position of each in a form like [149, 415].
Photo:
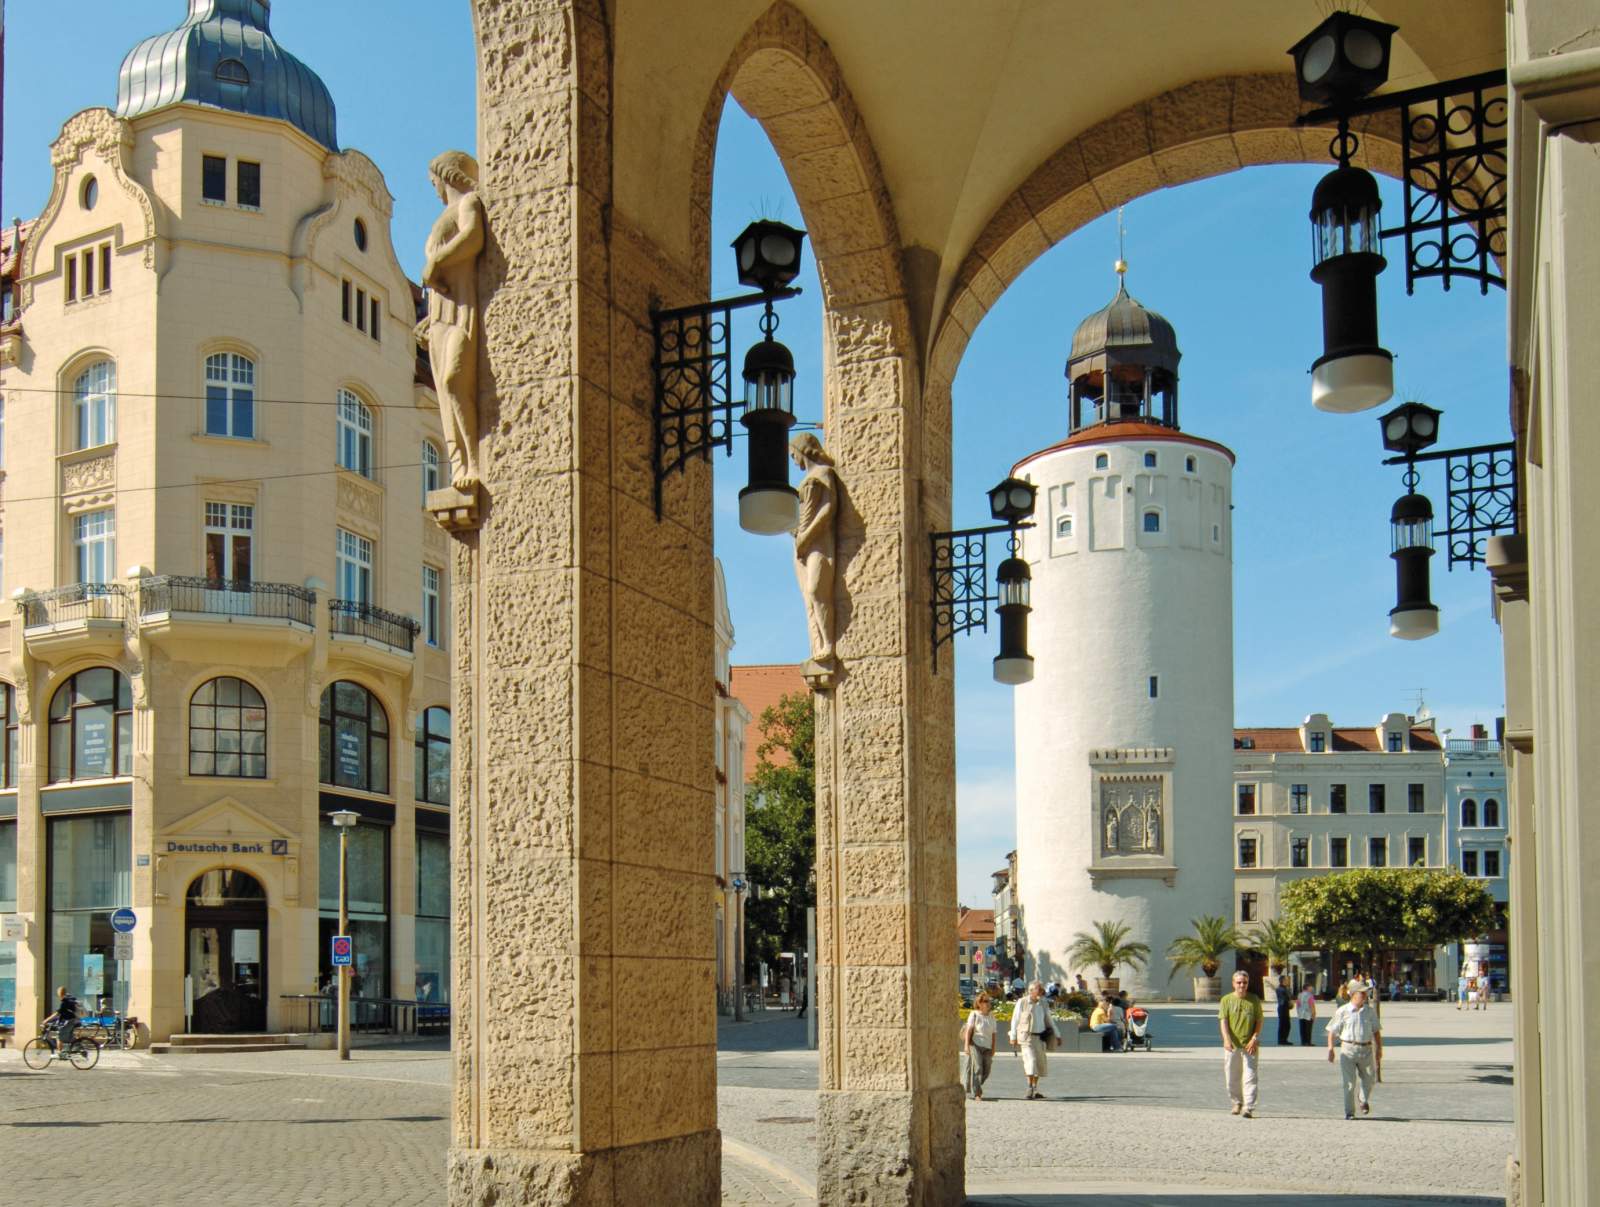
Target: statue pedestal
[456, 510]
[819, 676]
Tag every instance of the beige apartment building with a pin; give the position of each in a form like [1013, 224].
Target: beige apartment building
[230, 606]
[732, 720]
[1320, 798]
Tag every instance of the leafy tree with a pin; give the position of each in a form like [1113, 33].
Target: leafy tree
[1211, 938]
[1106, 947]
[1369, 909]
[1275, 941]
[780, 842]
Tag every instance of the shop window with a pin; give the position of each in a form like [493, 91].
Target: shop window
[1491, 812]
[214, 179]
[432, 469]
[1247, 799]
[433, 917]
[1339, 852]
[354, 739]
[91, 727]
[1337, 800]
[1469, 814]
[228, 730]
[90, 874]
[432, 772]
[8, 749]
[94, 404]
[355, 435]
[230, 396]
[367, 889]
[247, 182]
[8, 905]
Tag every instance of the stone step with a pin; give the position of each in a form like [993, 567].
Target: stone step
[190, 1044]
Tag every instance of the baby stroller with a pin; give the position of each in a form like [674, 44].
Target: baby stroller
[1138, 1030]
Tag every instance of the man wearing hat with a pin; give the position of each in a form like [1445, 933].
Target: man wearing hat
[1359, 1035]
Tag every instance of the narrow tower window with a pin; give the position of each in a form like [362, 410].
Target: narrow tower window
[1101, 461]
[1155, 686]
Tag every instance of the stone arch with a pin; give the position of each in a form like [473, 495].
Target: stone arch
[1204, 128]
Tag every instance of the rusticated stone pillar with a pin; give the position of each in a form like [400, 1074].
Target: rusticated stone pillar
[583, 828]
[891, 1115]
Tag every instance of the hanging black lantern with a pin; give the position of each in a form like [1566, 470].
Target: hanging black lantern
[1414, 615]
[1342, 60]
[1353, 373]
[768, 505]
[768, 254]
[1012, 500]
[1014, 665]
[1410, 428]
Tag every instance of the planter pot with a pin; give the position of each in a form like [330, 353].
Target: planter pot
[1106, 984]
[1207, 988]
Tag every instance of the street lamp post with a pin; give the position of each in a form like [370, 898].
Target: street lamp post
[344, 820]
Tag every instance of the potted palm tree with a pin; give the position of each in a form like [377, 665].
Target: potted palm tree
[1212, 938]
[1106, 947]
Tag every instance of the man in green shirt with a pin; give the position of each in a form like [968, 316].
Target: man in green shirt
[1239, 1018]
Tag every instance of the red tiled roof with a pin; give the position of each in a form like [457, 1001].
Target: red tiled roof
[1286, 739]
[974, 924]
[1116, 433]
[758, 688]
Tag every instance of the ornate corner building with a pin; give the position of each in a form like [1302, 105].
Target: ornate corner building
[228, 604]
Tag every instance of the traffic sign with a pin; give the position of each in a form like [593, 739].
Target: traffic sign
[122, 946]
[989, 951]
[344, 951]
[123, 920]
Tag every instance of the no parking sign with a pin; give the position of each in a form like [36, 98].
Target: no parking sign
[344, 951]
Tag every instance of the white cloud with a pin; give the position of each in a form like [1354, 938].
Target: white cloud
[986, 830]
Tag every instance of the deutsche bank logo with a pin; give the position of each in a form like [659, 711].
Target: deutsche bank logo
[280, 846]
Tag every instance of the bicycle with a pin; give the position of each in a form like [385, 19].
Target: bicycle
[120, 1032]
[83, 1053]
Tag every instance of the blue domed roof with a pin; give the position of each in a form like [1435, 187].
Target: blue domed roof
[224, 55]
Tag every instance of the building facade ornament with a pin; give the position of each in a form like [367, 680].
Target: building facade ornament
[94, 474]
[452, 331]
[816, 545]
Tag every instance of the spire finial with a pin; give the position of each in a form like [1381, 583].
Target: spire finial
[1122, 264]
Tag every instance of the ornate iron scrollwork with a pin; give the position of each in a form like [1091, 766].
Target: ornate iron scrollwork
[694, 404]
[960, 580]
[1453, 174]
[1482, 489]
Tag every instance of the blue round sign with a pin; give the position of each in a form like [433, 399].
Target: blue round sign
[123, 920]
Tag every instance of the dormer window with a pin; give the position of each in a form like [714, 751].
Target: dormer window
[1397, 743]
[1317, 741]
[231, 71]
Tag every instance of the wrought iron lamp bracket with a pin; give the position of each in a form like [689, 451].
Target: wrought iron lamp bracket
[1453, 171]
[1483, 495]
[959, 578]
[695, 407]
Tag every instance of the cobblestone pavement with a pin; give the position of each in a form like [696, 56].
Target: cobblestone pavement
[300, 1128]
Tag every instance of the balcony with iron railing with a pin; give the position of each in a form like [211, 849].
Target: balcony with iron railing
[1473, 746]
[77, 615]
[354, 618]
[164, 594]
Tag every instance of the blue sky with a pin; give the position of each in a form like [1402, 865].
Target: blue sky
[1226, 260]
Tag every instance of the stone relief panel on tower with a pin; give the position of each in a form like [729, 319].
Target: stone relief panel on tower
[1130, 815]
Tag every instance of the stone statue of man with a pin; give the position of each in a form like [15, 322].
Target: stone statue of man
[816, 543]
[1111, 829]
[451, 275]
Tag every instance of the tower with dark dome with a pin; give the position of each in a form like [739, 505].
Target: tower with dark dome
[1124, 736]
[224, 55]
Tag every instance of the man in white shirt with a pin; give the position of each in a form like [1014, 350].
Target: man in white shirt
[1359, 1035]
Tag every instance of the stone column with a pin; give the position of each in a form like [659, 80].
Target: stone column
[583, 683]
[891, 1118]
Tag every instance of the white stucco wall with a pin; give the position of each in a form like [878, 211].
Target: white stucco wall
[1112, 606]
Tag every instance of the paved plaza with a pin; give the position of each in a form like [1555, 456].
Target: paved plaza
[1120, 1130]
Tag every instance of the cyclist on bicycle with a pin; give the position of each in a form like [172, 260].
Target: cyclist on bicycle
[65, 1019]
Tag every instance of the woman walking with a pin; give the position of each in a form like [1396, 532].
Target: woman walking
[977, 1045]
[1032, 1029]
[1305, 1013]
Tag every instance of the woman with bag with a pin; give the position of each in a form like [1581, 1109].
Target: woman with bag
[1032, 1031]
[977, 1045]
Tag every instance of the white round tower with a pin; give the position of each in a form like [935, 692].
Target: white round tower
[1125, 734]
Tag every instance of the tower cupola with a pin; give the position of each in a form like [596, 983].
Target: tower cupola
[224, 55]
[1124, 365]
